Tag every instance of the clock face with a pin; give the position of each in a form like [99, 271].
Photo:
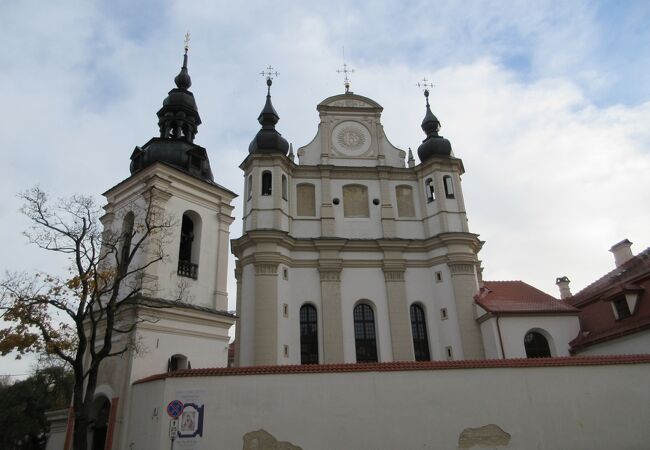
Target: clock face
[351, 138]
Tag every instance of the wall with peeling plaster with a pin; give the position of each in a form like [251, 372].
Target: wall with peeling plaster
[576, 407]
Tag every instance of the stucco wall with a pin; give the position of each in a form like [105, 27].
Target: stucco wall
[569, 407]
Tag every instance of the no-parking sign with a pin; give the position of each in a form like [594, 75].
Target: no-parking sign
[175, 408]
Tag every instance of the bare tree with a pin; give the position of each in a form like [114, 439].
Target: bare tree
[75, 318]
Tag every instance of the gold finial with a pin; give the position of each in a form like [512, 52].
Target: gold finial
[187, 42]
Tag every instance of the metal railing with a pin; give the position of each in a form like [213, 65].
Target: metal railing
[187, 269]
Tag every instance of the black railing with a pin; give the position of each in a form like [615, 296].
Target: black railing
[187, 269]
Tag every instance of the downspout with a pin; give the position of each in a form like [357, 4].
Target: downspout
[503, 354]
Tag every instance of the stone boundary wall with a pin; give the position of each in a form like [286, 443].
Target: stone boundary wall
[576, 403]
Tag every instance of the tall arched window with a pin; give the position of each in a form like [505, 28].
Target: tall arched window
[449, 186]
[188, 252]
[428, 187]
[99, 413]
[536, 345]
[364, 333]
[127, 234]
[419, 330]
[308, 335]
[267, 183]
[250, 186]
[284, 187]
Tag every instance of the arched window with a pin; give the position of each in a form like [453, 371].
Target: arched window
[364, 333]
[355, 201]
[428, 188]
[177, 362]
[419, 330]
[127, 234]
[99, 413]
[404, 195]
[267, 183]
[284, 187]
[188, 252]
[536, 345]
[306, 199]
[308, 335]
[449, 186]
[250, 187]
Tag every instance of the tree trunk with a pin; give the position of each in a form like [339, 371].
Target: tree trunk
[80, 434]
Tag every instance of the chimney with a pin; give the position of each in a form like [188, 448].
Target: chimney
[622, 252]
[563, 284]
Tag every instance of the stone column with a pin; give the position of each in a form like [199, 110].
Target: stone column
[465, 284]
[330, 267]
[266, 314]
[387, 212]
[332, 320]
[398, 312]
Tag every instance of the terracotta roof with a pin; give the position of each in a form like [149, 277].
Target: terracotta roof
[637, 266]
[517, 297]
[404, 366]
[620, 329]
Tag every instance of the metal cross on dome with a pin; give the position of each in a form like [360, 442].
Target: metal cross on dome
[426, 86]
[187, 42]
[346, 79]
[269, 73]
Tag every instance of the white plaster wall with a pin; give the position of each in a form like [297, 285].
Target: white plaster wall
[305, 228]
[286, 325]
[490, 336]
[561, 328]
[541, 408]
[368, 284]
[157, 345]
[422, 287]
[364, 228]
[634, 344]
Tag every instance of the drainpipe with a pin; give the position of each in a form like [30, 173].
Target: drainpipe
[503, 354]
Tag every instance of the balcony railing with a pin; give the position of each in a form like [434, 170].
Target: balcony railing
[187, 269]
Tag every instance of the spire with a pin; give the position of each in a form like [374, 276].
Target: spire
[268, 140]
[411, 160]
[433, 144]
[183, 80]
[178, 121]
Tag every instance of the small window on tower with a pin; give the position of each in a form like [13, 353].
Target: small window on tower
[443, 314]
[267, 183]
[438, 277]
[449, 186]
[250, 186]
[285, 310]
[284, 187]
[450, 353]
[622, 308]
[428, 187]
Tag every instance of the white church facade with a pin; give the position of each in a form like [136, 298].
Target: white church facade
[352, 255]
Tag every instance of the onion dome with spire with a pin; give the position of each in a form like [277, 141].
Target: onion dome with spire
[434, 144]
[178, 121]
[268, 139]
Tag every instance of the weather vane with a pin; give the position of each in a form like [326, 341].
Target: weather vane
[345, 71]
[269, 73]
[426, 86]
[187, 42]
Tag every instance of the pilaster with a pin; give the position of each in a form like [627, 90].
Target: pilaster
[465, 284]
[330, 266]
[266, 314]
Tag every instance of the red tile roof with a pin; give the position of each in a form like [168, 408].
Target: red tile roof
[597, 321]
[517, 297]
[564, 361]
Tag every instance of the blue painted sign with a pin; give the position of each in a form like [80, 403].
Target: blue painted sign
[175, 408]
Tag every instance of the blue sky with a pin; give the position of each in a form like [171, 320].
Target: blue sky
[547, 103]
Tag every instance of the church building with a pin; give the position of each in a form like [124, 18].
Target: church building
[353, 253]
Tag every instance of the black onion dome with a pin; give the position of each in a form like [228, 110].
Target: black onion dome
[178, 121]
[268, 139]
[434, 144]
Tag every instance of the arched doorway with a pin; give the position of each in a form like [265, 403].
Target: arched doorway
[99, 414]
[536, 345]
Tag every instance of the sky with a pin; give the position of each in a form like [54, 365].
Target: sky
[546, 102]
